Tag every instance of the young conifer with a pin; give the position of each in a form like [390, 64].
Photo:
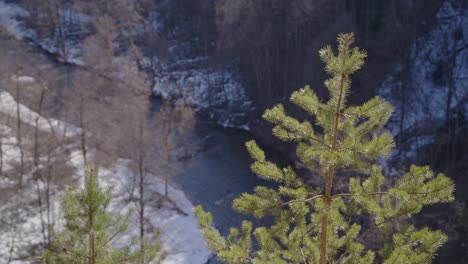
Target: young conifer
[319, 224]
[90, 230]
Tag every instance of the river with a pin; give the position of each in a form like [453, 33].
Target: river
[219, 173]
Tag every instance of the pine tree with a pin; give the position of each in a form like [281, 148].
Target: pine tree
[90, 230]
[321, 225]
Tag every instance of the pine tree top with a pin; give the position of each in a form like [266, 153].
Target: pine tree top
[313, 224]
[90, 229]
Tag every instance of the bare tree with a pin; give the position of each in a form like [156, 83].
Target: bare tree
[53, 20]
[177, 123]
[19, 85]
[80, 97]
[43, 90]
[446, 74]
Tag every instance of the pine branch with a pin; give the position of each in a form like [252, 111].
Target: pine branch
[306, 231]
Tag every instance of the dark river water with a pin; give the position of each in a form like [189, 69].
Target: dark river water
[219, 173]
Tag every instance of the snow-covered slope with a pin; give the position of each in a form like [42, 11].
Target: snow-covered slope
[20, 225]
[8, 107]
[181, 239]
[429, 71]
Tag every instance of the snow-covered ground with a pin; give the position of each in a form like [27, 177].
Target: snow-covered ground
[181, 239]
[9, 14]
[217, 93]
[20, 223]
[20, 226]
[8, 107]
[427, 71]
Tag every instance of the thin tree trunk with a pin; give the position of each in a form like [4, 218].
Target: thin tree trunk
[1, 156]
[286, 68]
[258, 79]
[36, 174]
[142, 208]
[41, 214]
[268, 73]
[142, 187]
[18, 134]
[403, 93]
[82, 132]
[12, 246]
[331, 170]
[91, 245]
[48, 206]
[142, 201]
[168, 150]
[448, 110]
[36, 128]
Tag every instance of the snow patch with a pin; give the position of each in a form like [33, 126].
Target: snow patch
[9, 14]
[22, 79]
[8, 107]
[21, 230]
[427, 76]
[217, 94]
[182, 241]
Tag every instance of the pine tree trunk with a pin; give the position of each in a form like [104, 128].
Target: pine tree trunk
[91, 245]
[331, 170]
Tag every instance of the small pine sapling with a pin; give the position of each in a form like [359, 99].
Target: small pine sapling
[323, 225]
[90, 230]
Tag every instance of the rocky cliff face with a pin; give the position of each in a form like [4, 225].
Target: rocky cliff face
[270, 47]
[228, 58]
[428, 88]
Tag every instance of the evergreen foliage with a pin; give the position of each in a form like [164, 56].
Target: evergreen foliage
[90, 230]
[319, 225]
